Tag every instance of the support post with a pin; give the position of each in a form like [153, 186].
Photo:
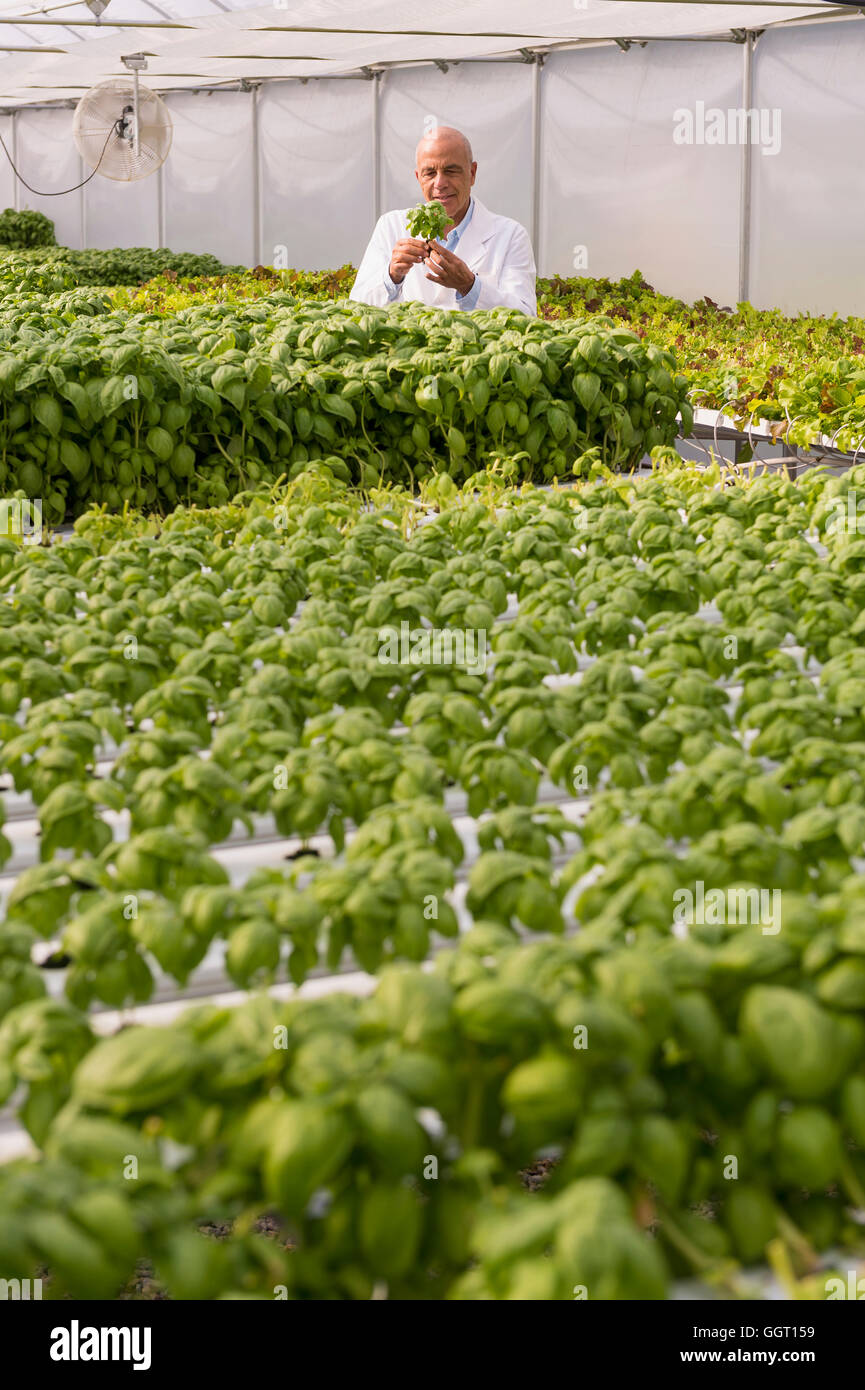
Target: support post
[160, 204]
[16, 183]
[82, 205]
[376, 145]
[745, 185]
[536, 153]
[257, 257]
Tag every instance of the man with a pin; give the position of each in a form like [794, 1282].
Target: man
[482, 261]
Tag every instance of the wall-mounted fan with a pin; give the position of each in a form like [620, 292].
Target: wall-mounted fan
[122, 129]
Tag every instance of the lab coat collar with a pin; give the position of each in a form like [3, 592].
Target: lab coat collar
[480, 229]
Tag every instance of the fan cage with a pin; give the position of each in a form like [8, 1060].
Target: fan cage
[96, 117]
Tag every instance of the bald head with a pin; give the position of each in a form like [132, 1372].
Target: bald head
[443, 135]
[445, 170]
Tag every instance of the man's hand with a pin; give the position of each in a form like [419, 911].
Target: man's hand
[407, 252]
[450, 271]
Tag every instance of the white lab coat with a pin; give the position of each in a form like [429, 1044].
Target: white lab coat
[496, 248]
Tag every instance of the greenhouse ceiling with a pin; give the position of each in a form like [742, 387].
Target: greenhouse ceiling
[56, 51]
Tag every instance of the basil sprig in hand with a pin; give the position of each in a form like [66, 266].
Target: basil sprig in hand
[427, 220]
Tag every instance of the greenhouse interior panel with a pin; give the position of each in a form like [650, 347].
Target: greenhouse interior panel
[575, 144]
[432, 696]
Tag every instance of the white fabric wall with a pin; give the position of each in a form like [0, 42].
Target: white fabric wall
[121, 214]
[491, 102]
[7, 178]
[114, 214]
[208, 176]
[48, 160]
[808, 212]
[316, 171]
[612, 178]
[616, 183]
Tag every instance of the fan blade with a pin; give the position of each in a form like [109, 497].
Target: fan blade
[96, 116]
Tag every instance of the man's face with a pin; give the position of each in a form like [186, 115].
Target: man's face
[443, 172]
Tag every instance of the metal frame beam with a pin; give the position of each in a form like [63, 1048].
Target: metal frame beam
[376, 144]
[16, 201]
[160, 205]
[806, 5]
[256, 181]
[537, 136]
[745, 171]
[71, 24]
[82, 205]
[833, 15]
